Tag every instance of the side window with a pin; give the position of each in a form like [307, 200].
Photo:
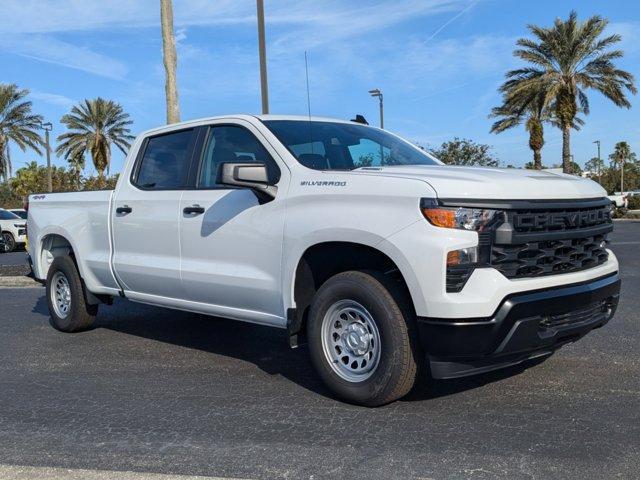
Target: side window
[165, 162]
[228, 143]
[368, 153]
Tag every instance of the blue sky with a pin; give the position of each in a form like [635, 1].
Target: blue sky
[438, 62]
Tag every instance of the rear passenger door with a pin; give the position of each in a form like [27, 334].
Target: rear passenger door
[146, 216]
[231, 242]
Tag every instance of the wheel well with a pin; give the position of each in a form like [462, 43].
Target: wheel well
[324, 260]
[53, 246]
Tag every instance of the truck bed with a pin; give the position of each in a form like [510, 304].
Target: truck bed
[83, 219]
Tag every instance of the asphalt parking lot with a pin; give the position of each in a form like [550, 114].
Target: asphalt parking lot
[153, 390]
[14, 258]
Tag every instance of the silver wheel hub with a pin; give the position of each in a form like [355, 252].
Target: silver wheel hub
[60, 294]
[351, 340]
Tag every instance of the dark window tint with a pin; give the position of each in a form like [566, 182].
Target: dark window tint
[229, 144]
[4, 215]
[165, 162]
[22, 214]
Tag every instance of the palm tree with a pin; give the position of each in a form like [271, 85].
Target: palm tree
[17, 124]
[622, 154]
[533, 116]
[567, 59]
[94, 125]
[170, 61]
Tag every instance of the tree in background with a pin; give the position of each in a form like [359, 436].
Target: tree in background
[595, 166]
[76, 166]
[17, 125]
[533, 115]
[33, 179]
[566, 60]
[621, 155]
[465, 152]
[170, 61]
[8, 198]
[95, 125]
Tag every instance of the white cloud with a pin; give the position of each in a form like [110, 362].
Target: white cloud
[334, 16]
[49, 49]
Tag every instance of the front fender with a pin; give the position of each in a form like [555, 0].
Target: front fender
[355, 236]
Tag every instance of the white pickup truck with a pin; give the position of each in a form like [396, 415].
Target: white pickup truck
[380, 258]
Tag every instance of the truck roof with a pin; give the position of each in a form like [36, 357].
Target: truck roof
[201, 121]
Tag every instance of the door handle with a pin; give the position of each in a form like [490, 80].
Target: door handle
[126, 209]
[197, 209]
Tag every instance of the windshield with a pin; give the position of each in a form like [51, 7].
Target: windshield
[345, 146]
[5, 215]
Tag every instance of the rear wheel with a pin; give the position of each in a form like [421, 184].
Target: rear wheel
[66, 299]
[9, 242]
[360, 339]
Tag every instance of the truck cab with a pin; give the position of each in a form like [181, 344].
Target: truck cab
[350, 239]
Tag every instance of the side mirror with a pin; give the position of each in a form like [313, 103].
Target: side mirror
[250, 175]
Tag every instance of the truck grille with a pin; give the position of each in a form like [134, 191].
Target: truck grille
[550, 257]
[548, 240]
[541, 238]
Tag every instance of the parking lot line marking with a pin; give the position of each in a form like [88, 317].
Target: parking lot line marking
[16, 472]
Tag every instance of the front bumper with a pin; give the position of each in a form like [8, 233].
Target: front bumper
[525, 325]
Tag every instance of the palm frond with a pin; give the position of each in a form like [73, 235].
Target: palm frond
[93, 126]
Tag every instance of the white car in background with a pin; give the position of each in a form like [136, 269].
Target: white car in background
[14, 230]
[619, 200]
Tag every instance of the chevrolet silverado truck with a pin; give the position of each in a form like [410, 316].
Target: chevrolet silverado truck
[384, 261]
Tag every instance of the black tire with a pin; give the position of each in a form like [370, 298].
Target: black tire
[9, 242]
[396, 369]
[79, 315]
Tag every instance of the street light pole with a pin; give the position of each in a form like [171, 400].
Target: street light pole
[376, 92]
[262, 50]
[597, 142]
[47, 127]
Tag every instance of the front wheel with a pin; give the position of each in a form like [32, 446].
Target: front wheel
[65, 297]
[9, 242]
[360, 339]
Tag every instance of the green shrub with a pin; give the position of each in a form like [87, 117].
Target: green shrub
[634, 202]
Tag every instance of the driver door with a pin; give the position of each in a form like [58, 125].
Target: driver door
[231, 242]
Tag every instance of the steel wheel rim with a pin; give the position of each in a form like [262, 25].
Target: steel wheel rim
[351, 341]
[60, 294]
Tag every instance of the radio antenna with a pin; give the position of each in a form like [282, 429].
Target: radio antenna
[306, 71]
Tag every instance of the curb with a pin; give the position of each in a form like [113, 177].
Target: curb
[19, 282]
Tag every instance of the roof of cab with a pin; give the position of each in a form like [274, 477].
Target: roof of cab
[201, 121]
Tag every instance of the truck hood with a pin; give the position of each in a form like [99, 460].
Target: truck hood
[494, 183]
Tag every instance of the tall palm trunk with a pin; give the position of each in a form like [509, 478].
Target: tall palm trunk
[170, 61]
[566, 148]
[537, 159]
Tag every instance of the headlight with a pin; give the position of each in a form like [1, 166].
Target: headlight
[17, 225]
[463, 218]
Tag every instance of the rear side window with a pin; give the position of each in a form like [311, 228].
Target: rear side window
[165, 162]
